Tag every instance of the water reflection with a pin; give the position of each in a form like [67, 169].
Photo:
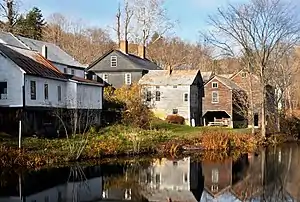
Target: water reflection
[271, 175]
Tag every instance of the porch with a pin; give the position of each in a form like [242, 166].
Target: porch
[217, 118]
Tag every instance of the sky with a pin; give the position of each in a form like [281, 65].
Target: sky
[192, 15]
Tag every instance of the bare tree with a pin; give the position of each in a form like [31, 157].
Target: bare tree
[10, 13]
[257, 30]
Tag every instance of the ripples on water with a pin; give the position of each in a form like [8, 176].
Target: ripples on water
[271, 175]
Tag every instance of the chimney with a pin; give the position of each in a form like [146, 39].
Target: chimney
[124, 46]
[45, 51]
[142, 51]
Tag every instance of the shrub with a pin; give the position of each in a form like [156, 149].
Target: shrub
[175, 119]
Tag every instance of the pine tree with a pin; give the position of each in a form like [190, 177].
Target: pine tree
[32, 24]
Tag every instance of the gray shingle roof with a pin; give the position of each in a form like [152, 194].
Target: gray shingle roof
[163, 78]
[8, 38]
[55, 53]
[142, 63]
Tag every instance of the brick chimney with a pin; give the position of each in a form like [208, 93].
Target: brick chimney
[124, 46]
[142, 51]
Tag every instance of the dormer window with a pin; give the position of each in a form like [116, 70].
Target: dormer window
[113, 61]
[214, 84]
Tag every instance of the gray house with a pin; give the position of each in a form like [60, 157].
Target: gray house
[175, 92]
[118, 67]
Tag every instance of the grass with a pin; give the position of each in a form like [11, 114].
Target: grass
[119, 140]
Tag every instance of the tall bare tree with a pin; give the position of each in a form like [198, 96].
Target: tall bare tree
[9, 11]
[257, 30]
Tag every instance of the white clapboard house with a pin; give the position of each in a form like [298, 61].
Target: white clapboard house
[31, 86]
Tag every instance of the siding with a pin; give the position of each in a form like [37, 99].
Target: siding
[171, 98]
[52, 92]
[225, 98]
[61, 67]
[13, 75]
[117, 79]
[89, 97]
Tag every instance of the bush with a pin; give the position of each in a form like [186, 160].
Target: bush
[290, 126]
[175, 119]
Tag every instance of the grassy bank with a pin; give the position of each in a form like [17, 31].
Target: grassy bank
[163, 139]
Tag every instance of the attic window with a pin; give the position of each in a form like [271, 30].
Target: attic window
[113, 61]
[214, 84]
[244, 74]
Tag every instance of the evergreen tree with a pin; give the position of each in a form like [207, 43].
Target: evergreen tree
[32, 24]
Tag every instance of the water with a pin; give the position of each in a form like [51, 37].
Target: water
[270, 175]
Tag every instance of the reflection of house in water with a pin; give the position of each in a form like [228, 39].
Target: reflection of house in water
[180, 180]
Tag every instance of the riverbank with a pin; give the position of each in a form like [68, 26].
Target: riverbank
[119, 141]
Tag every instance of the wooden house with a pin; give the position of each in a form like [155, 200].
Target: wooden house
[32, 84]
[118, 67]
[174, 92]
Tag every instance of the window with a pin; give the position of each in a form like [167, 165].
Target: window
[59, 93]
[186, 97]
[214, 84]
[148, 96]
[215, 97]
[113, 61]
[157, 87]
[157, 96]
[175, 163]
[128, 79]
[175, 111]
[3, 90]
[95, 77]
[127, 194]
[214, 188]
[215, 176]
[175, 86]
[46, 198]
[33, 90]
[148, 177]
[244, 74]
[72, 71]
[185, 177]
[157, 178]
[105, 193]
[65, 70]
[105, 77]
[46, 93]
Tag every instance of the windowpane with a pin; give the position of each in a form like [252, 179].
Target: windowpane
[128, 79]
[175, 111]
[33, 90]
[73, 72]
[65, 70]
[215, 85]
[105, 77]
[157, 96]
[157, 178]
[175, 86]
[215, 176]
[3, 90]
[113, 61]
[244, 75]
[59, 93]
[46, 95]
[185, 177]
[148, 96]
[186, 97]
[215, 97]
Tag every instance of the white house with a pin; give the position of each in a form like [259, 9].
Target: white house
[29, 81]
[62, 60]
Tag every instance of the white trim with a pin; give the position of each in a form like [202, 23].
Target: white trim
[113, 57]
[129, 79]
[212, 84]
[212, 97]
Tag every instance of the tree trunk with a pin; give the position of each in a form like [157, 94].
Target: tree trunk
[263, 103]
[251, 104]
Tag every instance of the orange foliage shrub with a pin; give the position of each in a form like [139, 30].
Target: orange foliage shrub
[175, 119]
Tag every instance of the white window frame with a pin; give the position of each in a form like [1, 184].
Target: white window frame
[212, 84]
[215, 176]
[105, 79]
[113, 59]
[184, 97]
[128, 78]
[212, 97]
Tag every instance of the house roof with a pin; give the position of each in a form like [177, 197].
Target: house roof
[31, 62]
[206, 76]
[79, 79]
[9, 38]
[227, 82]
[55, 53]
[227, 76]
[138, 62]
[175, 195]
[163, 78]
